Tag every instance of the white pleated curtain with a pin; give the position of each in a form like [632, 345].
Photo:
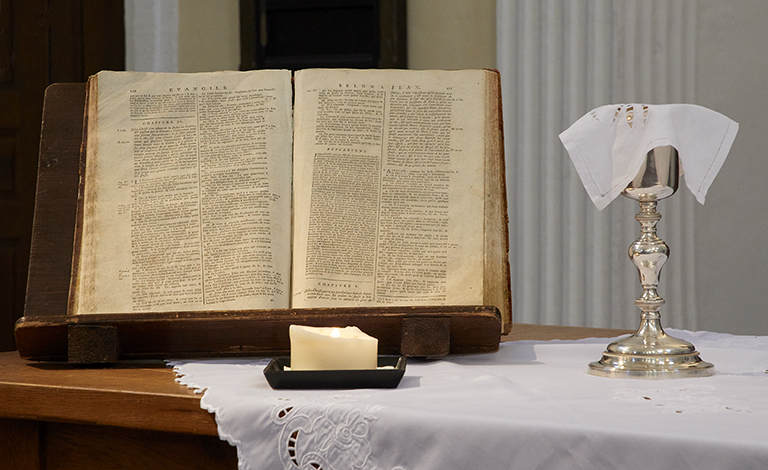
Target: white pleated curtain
[559, 59]
[152, 35]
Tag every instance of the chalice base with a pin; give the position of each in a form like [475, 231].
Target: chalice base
[651, 356]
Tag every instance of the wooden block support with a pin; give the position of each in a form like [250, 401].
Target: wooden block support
[92, 344]
[429, 336]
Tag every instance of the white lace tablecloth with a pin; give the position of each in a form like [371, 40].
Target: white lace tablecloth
[532, 405]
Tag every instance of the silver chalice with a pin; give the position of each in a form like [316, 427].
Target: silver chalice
[650, 353]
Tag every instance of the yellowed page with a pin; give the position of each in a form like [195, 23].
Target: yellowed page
[388, 187]
[187, 193]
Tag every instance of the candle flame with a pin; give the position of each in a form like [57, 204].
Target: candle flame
[335, 333]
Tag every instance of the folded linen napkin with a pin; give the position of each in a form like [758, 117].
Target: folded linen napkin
[608, 145]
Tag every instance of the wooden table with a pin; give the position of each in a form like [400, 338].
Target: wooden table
[129, 415]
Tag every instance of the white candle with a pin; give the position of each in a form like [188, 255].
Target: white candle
[347, 348]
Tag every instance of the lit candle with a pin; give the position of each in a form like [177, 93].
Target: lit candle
[332, 348]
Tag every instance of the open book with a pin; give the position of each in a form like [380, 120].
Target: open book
[250, 190]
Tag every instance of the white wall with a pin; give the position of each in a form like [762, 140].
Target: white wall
[732, 227]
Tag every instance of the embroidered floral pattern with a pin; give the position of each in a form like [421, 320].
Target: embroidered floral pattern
[628, 112]
[323, 433]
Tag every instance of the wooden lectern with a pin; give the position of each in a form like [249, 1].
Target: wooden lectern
[48, 333]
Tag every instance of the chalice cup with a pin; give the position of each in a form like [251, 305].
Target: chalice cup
[650, 353]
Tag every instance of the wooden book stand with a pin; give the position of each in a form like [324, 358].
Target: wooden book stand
[48, 333]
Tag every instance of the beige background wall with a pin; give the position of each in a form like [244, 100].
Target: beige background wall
[451, 34]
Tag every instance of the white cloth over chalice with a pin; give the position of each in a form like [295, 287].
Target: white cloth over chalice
[608, 145]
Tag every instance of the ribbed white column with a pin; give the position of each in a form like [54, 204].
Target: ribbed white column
[152, 35]
[558, 60]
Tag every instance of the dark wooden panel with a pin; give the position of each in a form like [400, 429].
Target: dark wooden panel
[297, 34]
[6, 43]
[86, 36]
[66, 40]
[41, 41]
[9, 284]
[77, 447]
[19, 444]
[7, 164]
[103, 37]
[24, 47]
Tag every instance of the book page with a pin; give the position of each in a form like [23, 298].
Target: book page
[186, 202]
[388, 187]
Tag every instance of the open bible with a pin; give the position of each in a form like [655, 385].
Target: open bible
[265, 190]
